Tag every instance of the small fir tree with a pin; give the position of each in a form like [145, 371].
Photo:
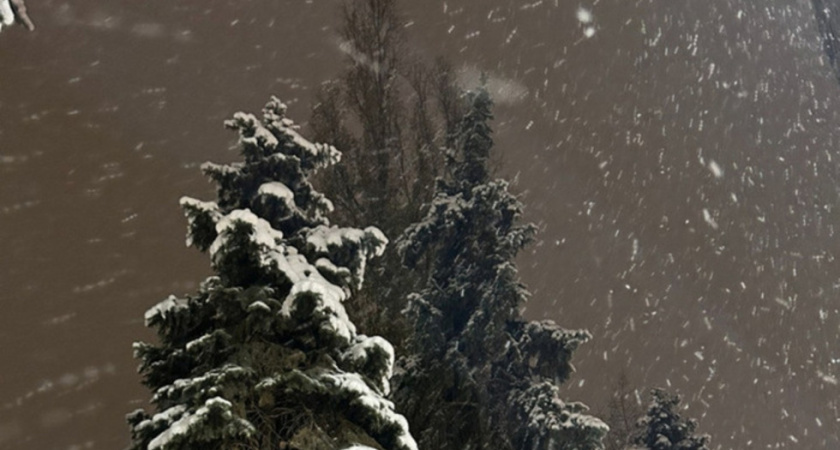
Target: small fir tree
[663, 428]
[264, 355]
[479, 376]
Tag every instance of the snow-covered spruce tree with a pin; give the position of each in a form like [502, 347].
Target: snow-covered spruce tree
[663, 429]
[479, 376]
[264, 356]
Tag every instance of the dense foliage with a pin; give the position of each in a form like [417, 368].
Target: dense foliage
[478, 375]
[264, 355]
[663, 428]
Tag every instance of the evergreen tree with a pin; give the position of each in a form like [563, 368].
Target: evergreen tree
[827, 15]
[663, 429]
[264, 355]
[479, 376]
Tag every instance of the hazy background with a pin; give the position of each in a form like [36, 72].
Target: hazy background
[680, 159]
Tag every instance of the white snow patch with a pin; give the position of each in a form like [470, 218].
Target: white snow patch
[170, 414]
[259, 306]
[164, 308]
[262, 233]
[182, 426]
[198, 342]
[279, 191]
[370, 242]
[185, 424]
[361, 350]
[323, 237]
[353, 383]
[329, 304]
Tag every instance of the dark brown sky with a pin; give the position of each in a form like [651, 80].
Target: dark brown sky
[681, 162]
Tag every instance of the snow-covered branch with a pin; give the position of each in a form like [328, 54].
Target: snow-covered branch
[12, 11]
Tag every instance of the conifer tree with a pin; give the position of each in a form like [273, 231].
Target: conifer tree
[827, 15]
[663, 428]
[479, 376]
[264, 355]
